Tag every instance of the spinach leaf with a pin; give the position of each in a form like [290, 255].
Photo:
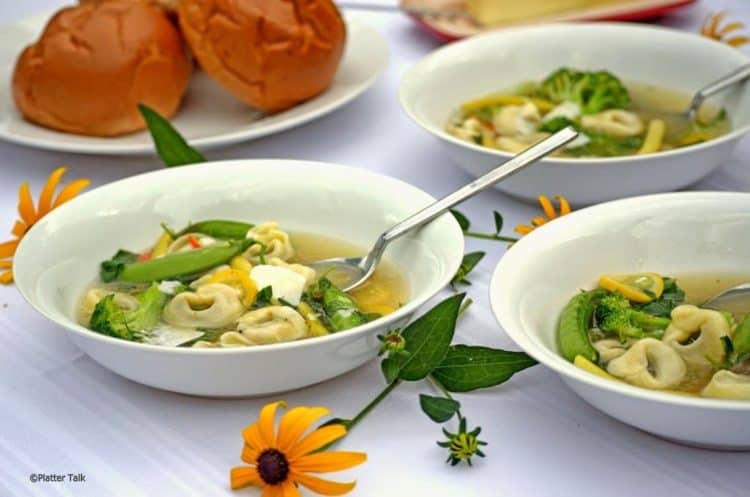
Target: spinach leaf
[427, 340]
[671, 297]
[468, 367]
[172, 148]
[438, 409]
[110, 269]
[556, 124]
[263, 298]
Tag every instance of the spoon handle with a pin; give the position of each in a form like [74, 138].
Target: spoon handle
[436, 209]
[734, 77]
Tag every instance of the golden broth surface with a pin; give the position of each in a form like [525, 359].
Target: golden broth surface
[384, 292]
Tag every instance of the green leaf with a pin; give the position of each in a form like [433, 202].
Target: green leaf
[463, 221]
[170, 145]
[498, 222]
[390, 368]
[468, 367]
[468, 263]
[438, 409]
[110, 269]
[671, 297]
[428, 339]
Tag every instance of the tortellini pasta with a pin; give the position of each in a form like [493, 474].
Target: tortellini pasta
[707, 348]
[276, 241]
[514, 120]
[264, 326]
[519, 143]
[213, 305]
[183, 243]
[728, 385]
[649, 363]
[615, 122]
[611, 348]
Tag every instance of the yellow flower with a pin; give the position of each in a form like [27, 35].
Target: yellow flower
[278, 463]
[712, 28]
[30, 214]
[549, 214]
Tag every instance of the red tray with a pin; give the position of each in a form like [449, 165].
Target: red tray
[449, 29]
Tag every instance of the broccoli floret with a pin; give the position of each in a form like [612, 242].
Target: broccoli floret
[556, 124]
[109, 319]
[593, 91]
[614, 314]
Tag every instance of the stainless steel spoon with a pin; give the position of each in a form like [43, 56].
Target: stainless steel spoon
[351, 272]
[736, 297]
[680, 123]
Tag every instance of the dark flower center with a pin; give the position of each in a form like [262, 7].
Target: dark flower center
[272, 466]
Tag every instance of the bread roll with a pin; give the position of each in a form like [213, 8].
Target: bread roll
[271, 54]
[95, 62]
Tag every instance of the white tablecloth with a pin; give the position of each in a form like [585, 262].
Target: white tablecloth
[62, 413]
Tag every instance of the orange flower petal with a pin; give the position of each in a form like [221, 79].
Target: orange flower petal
[266, 420]
[523, 229]
[737, 41]
[6, 278]
[729, 27]
[19, 229]
[6, 264]
[7, 249]
[547, 207]
[315, 440]
[249, 454]
[244, 476]
[70, 191]
[321, 486]
[564, 205]
[327, 462]
[273, 491]
[712, 23]
[289, 489]
[538, 221]
[45, 197]
[26, 205]
[252, 437]
[294, 423]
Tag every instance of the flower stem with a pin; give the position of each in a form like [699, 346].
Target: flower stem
[445, 392]
[487, 236]
[369, 407]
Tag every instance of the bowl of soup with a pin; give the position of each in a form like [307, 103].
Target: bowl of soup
[622, 86]
[196, 279]
[612, 299]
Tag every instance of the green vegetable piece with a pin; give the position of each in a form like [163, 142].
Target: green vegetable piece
[593, 91]
[109, 319]
[556, 124]
[461, 219]
[172, 148]
[614, 314]
[183, 263]
[468, 367]
[219, 228]
[741, 340]
[110, 269]
[428, 339]
[573, 327]
[671, 297]
[340, 308]
[468, 263]
[438, 409]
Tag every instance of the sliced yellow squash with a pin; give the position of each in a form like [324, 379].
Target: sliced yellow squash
[639, 287]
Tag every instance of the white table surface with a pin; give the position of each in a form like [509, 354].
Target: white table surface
[62, 413]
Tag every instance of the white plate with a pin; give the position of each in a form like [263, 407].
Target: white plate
[209, 117]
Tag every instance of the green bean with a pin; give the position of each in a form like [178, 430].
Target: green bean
[341, 309]
[573, 328]
[219, 228]
[741, 339]
[183, 263]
